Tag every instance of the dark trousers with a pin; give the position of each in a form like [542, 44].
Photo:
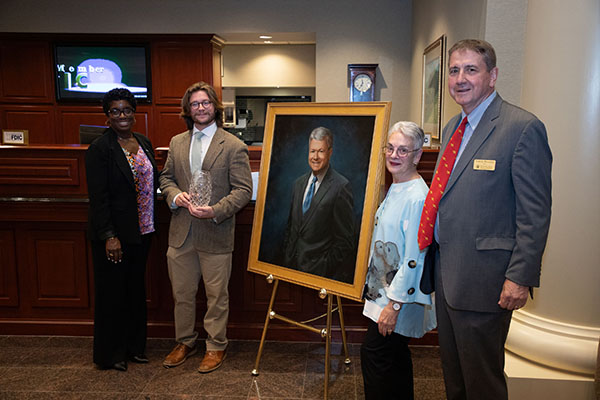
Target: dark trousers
[120, 303]
[386, 366]
[471, 349]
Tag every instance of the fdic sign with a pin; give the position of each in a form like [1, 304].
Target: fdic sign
[15, 136]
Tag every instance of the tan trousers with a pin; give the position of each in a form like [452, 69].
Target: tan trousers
[186, 266]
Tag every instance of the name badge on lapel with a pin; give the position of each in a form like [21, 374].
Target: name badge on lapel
[484, 165]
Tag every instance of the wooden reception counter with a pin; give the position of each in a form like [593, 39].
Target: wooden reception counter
[46, 272]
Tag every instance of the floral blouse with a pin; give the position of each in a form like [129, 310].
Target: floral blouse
[143, 176]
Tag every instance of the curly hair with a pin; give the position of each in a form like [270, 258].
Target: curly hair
[186, 113]
[117, 94]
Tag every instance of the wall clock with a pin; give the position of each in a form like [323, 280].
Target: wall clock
[362, 81]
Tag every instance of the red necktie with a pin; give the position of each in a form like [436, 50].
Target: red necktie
[438, 185]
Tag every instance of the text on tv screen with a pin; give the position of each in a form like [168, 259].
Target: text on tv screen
[87, 72]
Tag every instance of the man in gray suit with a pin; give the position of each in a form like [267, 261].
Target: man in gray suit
[492, 224]
[319, 238]
[201, 237]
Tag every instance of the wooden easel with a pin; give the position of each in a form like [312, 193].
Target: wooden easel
[326, 333]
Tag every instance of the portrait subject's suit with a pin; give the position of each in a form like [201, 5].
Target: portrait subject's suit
[494, 218]
[227, 161]
[322, 241]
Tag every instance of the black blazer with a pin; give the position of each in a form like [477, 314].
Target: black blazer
[113, 198]
[322, 241]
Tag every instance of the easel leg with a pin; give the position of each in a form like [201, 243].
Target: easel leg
[327, 346]
[323, 332]
[347, 361]
[264, 333]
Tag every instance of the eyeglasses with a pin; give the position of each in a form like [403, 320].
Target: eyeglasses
[116, 112]
[196, 104]
[401, 151]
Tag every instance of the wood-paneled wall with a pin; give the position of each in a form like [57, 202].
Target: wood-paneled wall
[27, 87]
[46, 272]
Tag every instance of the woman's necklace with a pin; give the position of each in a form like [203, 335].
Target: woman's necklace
[127, 144]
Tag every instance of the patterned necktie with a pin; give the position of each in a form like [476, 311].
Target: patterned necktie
[438, 185]
[309, 196]
[197, 152]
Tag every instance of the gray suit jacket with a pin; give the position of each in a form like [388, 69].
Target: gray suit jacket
[227, 161]
[493, 222]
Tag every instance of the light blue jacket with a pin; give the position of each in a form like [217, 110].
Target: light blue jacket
[396, 263]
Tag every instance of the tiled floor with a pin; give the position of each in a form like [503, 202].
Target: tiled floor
[41, 367]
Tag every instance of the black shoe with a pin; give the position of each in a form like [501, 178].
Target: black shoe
[139, 359]
[120, 366]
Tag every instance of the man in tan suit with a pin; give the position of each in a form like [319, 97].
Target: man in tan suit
[201, 237]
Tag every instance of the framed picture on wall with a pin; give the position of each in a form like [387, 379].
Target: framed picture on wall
[322, 243]
[433, 84]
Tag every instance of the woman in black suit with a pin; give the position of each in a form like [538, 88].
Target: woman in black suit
[122, 180]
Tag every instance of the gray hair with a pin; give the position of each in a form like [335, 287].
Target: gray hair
[322, 133]
[411, 131]
[481, 47]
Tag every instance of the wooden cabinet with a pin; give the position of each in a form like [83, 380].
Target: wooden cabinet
[9, 287]
[27, 93]
[167, 123]
[39, 120]
[177, 64]
[25, 70]
[52, 257]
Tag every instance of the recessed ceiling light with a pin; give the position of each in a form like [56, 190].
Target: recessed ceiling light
[265, 37]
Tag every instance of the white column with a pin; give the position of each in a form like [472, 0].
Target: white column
[561, 85]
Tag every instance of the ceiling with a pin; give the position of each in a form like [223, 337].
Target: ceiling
[232, 38]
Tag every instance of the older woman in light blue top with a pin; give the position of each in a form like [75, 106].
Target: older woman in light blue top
[393, 300]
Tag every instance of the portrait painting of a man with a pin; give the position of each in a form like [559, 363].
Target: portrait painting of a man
[320, 236]
[312, 200]
[322, 239]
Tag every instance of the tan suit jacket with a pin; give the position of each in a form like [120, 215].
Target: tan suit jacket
[227, 161]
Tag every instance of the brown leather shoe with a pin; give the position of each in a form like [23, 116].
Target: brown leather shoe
[178, 355]
[211, 361]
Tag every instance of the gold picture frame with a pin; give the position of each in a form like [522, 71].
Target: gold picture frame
[433, 87]
[17, 137]
[359, 131]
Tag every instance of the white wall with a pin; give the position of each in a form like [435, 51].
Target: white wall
[431, 19]
[505, 28]
[347, 32]
[269, 66]
[502, 23]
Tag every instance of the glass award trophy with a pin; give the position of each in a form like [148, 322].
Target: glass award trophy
[200, 188]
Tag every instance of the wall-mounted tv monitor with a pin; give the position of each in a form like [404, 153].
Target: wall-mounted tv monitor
[86, 72]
